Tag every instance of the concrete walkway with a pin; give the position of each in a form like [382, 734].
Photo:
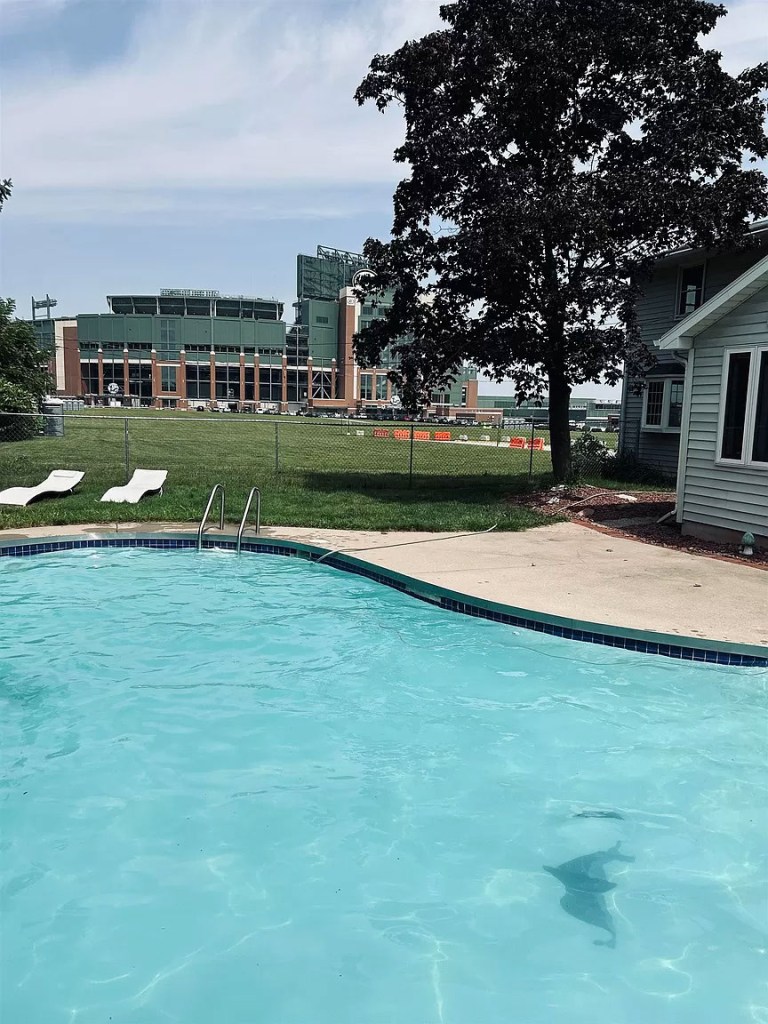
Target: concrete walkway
[563, 569]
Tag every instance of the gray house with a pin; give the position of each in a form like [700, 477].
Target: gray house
[722, 471]
[650, 421]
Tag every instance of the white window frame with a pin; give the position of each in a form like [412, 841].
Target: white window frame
[663, 427]
[679, 288]
[755, 353]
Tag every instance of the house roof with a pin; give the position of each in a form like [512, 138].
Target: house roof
[723, 302]
[757, 229]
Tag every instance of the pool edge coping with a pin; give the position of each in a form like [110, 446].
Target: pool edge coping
[675, 646]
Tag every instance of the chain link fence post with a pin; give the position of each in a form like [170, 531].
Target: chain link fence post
[127, 449]
[410, 459]
[530, 450]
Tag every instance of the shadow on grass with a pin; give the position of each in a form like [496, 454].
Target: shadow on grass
[469, 488]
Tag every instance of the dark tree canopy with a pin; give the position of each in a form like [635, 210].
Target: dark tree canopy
[555, 148]
[24, 379]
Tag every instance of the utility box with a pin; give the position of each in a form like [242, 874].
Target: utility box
[53, 411]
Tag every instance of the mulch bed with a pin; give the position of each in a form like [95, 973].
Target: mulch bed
[615, 513]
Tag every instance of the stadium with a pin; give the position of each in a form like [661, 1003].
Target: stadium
[199, 349]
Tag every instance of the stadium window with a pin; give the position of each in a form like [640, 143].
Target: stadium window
[198, 380]
[691, 291]
[248, 396]
[663, 404]
[366, 386]
[381, 388]
[140, 380]
[321, 384]
[321, 319]
[89, 372]
[114, 374]
[228, 380]
[167, 378]
[270, 384]
[167, 332]
[366, 311]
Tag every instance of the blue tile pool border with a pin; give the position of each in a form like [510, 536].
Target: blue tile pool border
[662, 644]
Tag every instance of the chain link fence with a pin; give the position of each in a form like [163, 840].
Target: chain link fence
[320, 454]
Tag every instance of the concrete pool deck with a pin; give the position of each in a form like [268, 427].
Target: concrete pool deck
[563, 569]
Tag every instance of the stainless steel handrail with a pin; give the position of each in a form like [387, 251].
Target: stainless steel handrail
[257, 492]
[216, 487]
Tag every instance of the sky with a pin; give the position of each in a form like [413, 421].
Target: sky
[204, 143]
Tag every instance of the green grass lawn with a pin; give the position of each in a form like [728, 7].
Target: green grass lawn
[311, 472]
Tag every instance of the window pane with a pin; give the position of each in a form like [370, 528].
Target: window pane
[676, 388]
[691, 289]
[90, 377]
[168, 378]
[760, 443]
[381, 388]
[655, 403]
[735, 405]
[366, 386]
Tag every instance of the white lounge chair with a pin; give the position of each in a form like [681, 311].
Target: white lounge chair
[60, 481]
[143, 482]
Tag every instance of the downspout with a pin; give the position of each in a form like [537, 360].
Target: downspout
[623, 417]
[685, 356]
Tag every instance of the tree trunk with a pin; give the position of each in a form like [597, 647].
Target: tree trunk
[559, 429]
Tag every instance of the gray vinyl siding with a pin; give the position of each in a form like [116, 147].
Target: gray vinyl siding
[657, 314]
[729, 497]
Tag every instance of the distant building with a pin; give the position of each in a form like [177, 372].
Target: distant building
[185, 348]
[597, 413]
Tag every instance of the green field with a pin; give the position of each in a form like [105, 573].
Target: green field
[311, 472]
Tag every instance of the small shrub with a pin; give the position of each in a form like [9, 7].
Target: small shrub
[588, 455]
[16, 400]
[626, 467]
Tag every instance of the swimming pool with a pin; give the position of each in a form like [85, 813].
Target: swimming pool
[259, 790]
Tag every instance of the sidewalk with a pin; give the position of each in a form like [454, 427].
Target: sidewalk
[568, 570]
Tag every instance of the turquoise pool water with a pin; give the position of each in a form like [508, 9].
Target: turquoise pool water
[258, 791]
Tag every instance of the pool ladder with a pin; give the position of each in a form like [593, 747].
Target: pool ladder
[219, 489]
[257, 492]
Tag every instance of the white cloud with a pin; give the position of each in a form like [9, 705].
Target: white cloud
[211, 95]
[16, 15]
[741, 36]
[224, 97]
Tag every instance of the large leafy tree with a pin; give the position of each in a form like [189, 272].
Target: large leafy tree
[555, 147]
[24, 378]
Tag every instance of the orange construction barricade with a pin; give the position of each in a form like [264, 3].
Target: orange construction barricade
[517, 442]
[378, 432]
